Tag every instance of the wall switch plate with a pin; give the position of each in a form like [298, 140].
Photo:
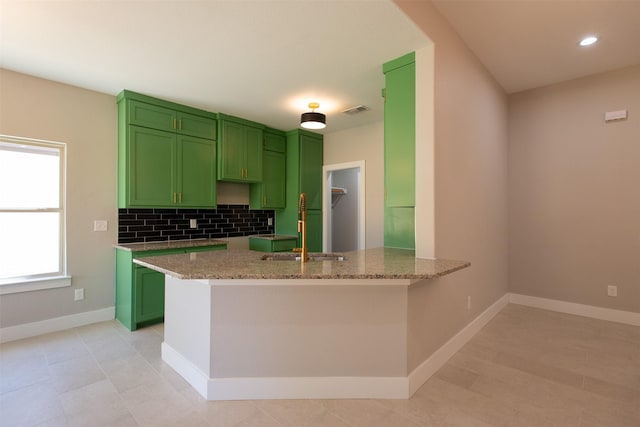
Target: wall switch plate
[100, 225]
[610, 116]
[612, 291]
[193, 223]
[78, 294]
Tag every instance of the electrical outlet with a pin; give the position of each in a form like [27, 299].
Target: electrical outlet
[469, 302]
[612, 291]
[78, 294]
[193, 223]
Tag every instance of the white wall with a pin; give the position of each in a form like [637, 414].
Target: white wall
[470, 184]
[363, 143]
[574, 191]
[86, 122]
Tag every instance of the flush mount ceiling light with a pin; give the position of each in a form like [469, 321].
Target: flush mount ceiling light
[313, 120]
[588, 41]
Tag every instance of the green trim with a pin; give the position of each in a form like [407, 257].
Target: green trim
[407, 59]
[300, 132]
[239, 120]
[127, 94]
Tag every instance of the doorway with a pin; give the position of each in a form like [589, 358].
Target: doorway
[343, 203]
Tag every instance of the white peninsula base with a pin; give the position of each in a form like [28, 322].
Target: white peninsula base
[289, 339]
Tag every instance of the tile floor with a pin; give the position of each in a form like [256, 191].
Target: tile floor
[527, 367]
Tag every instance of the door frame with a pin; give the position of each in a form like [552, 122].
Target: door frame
[327, 171]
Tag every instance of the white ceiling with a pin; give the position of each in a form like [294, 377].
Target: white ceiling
[264, 60]
[527, 44]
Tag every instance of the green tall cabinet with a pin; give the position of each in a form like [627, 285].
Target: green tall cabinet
[270, 193]
[399, 152]
[303, 175]
[166, 154]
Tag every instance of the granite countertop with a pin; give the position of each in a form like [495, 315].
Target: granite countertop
[378, 263]
[172, 244]
[273, 237]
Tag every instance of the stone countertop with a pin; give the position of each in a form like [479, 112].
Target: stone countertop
[378, 263]
[273, 237]
[170, 244]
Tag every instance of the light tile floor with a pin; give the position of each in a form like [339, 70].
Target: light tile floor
[527, 367]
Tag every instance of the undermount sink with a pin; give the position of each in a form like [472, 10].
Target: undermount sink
[294, 256]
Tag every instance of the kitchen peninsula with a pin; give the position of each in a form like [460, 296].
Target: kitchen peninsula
[240, 327]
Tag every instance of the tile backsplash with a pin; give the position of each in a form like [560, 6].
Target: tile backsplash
[152, 225]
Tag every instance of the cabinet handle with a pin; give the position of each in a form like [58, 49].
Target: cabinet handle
[174, 123]
[174, 197]
[180, 197]
[264, 200]
[180, 124]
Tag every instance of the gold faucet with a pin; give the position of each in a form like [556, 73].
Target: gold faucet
[302, 227]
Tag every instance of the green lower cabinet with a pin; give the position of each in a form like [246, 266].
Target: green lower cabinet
[273, 245]
[149, 292]
[140, 290]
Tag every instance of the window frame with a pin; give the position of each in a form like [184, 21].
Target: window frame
[59, 278]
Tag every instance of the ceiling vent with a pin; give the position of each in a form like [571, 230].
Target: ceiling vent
[355, 110]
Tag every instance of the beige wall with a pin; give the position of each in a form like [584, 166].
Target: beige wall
[363, 143]
[574, 191]
[86, 122]
[470, 187]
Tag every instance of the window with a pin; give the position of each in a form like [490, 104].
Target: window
[32, 215]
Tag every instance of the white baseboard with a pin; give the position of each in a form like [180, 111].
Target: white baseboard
[250, 388]
[610, 314]
[33, 329]
[426, 369]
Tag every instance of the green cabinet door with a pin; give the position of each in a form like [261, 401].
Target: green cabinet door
[399, 135]
[311, 170]
[253, 154]
[231, 151]
[273, 185]
[270, 193]
[314, 230]
[150, 116]
[193, 125]
[196, 159]
[149, 294]
[152, 167]
[239, 152]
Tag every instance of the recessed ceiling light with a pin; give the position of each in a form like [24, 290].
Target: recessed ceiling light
[587, 41]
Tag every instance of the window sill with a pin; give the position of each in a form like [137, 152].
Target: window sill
[26, 285]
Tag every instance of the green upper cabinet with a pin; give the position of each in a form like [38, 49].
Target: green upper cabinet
[239, 149]
[161, 118]
[196, 172]
[169, 170]
[166, 154]
[399, 152]
[270, 193]
[303, 175]
[399, 132]
[151, 171]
